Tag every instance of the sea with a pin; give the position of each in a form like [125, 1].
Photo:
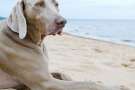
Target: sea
[116, 31]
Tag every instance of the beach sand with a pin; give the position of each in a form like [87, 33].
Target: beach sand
[88, 59]
[92, 60]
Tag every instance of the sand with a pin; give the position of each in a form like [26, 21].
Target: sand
[92, 60]
[89, 59]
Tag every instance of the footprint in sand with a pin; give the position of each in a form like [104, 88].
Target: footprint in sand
[125, 65]
[98, 50]
[132, 60]
[122, 87]
[130, 64]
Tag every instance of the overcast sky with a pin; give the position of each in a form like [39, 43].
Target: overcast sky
[87, 9]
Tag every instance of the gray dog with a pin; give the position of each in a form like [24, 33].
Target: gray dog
[23, 57]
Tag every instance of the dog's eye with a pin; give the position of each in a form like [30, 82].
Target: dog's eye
[40, 4]
[56, 4]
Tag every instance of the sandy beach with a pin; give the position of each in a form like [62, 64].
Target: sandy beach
[92, 60]
[88, 59]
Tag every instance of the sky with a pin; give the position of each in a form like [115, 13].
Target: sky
[86, 9]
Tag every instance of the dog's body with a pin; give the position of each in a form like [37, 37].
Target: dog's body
[23, 57]
[36, 55]
[32, 58]
[5, 79]
[14, 52]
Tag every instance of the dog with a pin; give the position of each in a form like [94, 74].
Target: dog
[23, 56]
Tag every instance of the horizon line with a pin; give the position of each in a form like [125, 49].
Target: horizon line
[92, 18]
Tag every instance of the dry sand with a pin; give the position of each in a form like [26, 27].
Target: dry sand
[88, 59]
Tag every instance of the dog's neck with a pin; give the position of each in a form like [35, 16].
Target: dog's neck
[34, 34]
[15, 38]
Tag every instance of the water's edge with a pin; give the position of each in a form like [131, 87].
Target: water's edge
[116, 31]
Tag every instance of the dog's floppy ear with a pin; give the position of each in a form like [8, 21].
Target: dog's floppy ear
[17, 20]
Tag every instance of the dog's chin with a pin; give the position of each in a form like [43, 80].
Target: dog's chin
[56, 32]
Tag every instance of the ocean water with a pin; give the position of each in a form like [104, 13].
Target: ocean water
[117, 31]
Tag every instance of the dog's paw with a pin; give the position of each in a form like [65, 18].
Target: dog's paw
[61, 76]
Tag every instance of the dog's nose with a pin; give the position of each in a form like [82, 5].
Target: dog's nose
[61, 22]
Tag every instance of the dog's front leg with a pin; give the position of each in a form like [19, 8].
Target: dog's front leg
[56, 75]
[61, 76]
[71, 85]
[37, 77]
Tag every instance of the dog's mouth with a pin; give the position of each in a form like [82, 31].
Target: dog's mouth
[58, 33]
[54, 30]
[57, 30]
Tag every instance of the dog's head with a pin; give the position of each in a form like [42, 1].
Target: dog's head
[42, 15]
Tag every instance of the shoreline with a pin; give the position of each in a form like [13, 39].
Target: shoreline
[100, 40]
